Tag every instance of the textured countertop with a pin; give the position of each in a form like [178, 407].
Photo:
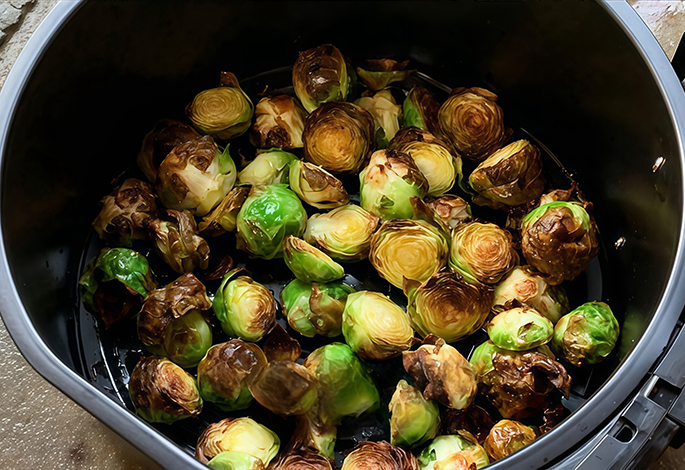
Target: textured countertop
[42, 428]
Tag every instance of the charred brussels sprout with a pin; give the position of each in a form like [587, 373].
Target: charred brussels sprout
[115, 283]
[473, 419]
[379, 456]
[559, 239]
[413, 419]
[377, 74]
[176, 241]
[161, 140]
[224, 112]
[223, 218]
[280, 346]
[386, 115]
[162, 392]
[320, 75]
[454, 452]
[375, 327]
[231, 460]
[506, 437]
[316, 186]
[269, 167]
[269, 214]
[285, 388]
[302, 460]
[279, 122]
[451, 209]
[339, 137]
[309, 264]
[237, 435]
[587, 334]
[224, 372]
[520, 329]
[420, 109]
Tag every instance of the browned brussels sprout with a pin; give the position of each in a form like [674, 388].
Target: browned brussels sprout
[506, 437]
[459, 451]
[285, 388]
[386, 114]
[377, 74]
[379, 456]
[121, 219]
[474, 123]
[315, 309]
[223, 218]
[451, 209]
[162, 392]
[473, 419]
[321, 75]
[339, 137]
[280, 346]
[237, 435]
[176, 241]
[316, 186]
[161, 140]
[279, 122]
[301, 460]
[315, 430]
[420, 109]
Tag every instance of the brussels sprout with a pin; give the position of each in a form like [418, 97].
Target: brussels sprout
[320, 75]
[386, 115]
[420, 109]
[269, 167]
[115, 283]
[509, 177]
[524, 285]
[224, 372]
[162, 392]
[587, 334]
[279, 122]
[280, 346]
[196, 176]
[411, 249]
[176, 241]
[474, 123]
[413, 419]
[339, 137]
[379, 456]
[442, 373]
[520, 329]
[482, 252]
[309, 264]
[506, 437]
[223, 218]
[344, 233]
[388, 183]
[451, 209]
[244, 308]
[313, 309]
[559, 239]
[473, 419]
[377, 74]
[447, 306]
[237, 435]
[269, 214]
[285, 388]
[375, 327]
[224, 112]
[231, 460]
[316, 186]
[302, 460]
[164, 136]
[454, 452]
[314, 430]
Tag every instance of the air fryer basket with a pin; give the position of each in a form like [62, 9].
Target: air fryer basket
[97, 76]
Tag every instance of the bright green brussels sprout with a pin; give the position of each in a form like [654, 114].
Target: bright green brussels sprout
[520, 329]
[223, 218]
[116, 282]
[451, 209]
[339, 137]
[269, 167]
[375, 327]
[285, 388]
[302, 460]
[320, 75]
[420, 109]
[411, 249]
[162, 392]
[453, 452]
[278, 122]
[232, 460]
[161, 140]
[309, 264]
[386, 115]
[224, 112]
[388, 183]
[224, 372]
[413, 419]
[237, 435]
[506, 437]
[175, 239]
[379, 456]
[482, 252]
[244, 308]
[587, 334]
[316, 186]
[509, 177]
[315, 309]
[377, 74]
[196, 176]
[559, 239]
[344, 233]
[269, 214]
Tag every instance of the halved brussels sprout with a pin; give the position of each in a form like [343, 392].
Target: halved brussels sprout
[339, 137]
[411, 249]
[232, 460]
[474, 123]
[559, 239]
[320, 75]
[280, 346]
[269, 214]
[316, 186]
[285, 388]
[162, 392]
[164, 136]
[223, 218]
[451, 209]
[520, 329]
[309, 264]
[413, 419]
[224, 372]
[375, 327]
[506, 437]
[454, 452]
[279, 122]
[115, 283]
[509, 177]
[377, 74]
[268, 167]
[388, 183]
[482, 252]
[344, 233]
[386, 114]
[176, 241]
[587, 334]
[224, 112]
[237, 435]
[379, 456]
[473, 419]
[302, 460]
[196, 176]
[420, 109]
